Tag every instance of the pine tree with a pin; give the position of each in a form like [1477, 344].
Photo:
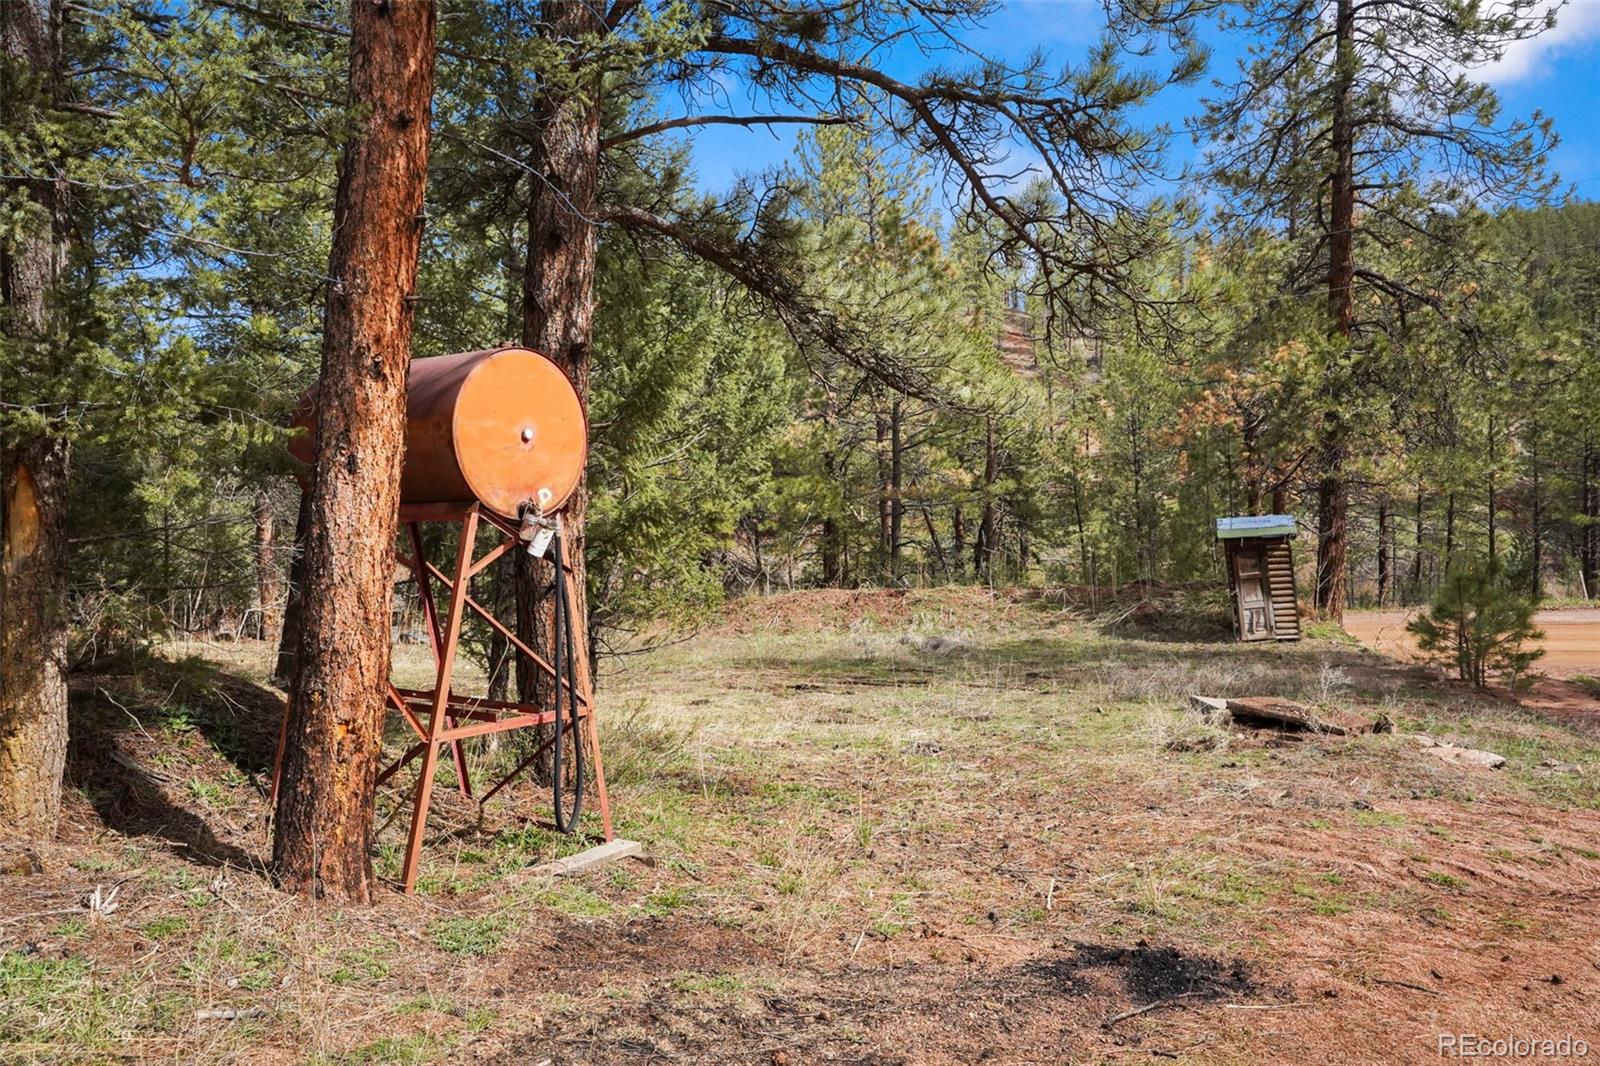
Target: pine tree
[1478, 623]
[323, 831]
[1340, 109]
[33, 454]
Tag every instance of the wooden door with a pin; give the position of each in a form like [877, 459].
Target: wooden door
[1251, 594]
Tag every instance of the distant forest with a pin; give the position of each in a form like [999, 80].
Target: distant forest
[858, 369]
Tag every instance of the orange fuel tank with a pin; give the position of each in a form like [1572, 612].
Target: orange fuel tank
[501, 426]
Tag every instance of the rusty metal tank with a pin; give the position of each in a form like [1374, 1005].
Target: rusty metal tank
[502, 426]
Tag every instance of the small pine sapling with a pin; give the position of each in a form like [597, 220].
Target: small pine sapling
[1481, 624]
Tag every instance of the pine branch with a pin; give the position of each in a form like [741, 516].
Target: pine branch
[725, 120]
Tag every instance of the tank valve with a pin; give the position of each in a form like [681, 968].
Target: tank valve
[537, 530]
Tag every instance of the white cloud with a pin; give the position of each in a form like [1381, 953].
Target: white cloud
[1577, 22]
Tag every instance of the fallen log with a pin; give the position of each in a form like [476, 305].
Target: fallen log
[1270, 712]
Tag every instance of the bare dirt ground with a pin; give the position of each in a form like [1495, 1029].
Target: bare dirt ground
[1567, 686]
[941, 827]
[1571, 637]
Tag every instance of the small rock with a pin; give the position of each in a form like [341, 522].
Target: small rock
[1457, 755]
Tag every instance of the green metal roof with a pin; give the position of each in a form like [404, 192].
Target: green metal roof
[1259, 525]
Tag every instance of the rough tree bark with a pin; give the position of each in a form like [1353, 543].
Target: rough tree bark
[558, 299]
[1332, 491]
[336, 703]
[33, 466]
[33, 637]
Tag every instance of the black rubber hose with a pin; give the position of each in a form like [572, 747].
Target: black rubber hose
[564, 635]
[555, 662]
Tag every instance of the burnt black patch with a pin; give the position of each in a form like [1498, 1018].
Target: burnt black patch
[1147, 972]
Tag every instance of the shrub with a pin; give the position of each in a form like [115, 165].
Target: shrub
[1480, 623]
[110, 625]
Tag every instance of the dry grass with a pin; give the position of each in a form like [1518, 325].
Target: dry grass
[868, 843]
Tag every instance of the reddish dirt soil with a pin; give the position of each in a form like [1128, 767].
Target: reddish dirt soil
[1571, 638]
[1571, 650]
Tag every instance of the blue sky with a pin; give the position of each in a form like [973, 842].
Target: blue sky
[1557, 73]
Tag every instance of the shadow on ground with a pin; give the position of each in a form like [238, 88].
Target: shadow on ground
[177, 751]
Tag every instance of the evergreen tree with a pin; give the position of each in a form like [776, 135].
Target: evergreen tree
[1480, 624]
[1341, 109]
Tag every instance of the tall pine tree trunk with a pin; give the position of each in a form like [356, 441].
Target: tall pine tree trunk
[897, 507]
[1416, 553]
[33, 636]
[1589, 506]
[1332, 491]
[264, 596]
[988, 519]
[1489, 490]
[1449, 531]
[880, 456]
[294, 599]
[832, 547]
[1536, 586]
[1384, 545]
[558, 299]
[336, 703]
[33, 465]
[958, 539]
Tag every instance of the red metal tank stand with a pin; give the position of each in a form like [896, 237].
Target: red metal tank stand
[440, 716]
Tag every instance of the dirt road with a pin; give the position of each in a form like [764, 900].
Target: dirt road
[1571, 642]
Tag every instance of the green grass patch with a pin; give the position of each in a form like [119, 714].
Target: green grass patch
[62, 1003]
[698, 984]
[412, 1050]
[362, 965]
[1325, 903]
[1333, 632]
[571, 898]
[1378, 819]
[663, 901]
[470, 936]
[165, 928]
[1444, 880]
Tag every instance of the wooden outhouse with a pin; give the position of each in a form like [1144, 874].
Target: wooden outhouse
[1261, 575]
